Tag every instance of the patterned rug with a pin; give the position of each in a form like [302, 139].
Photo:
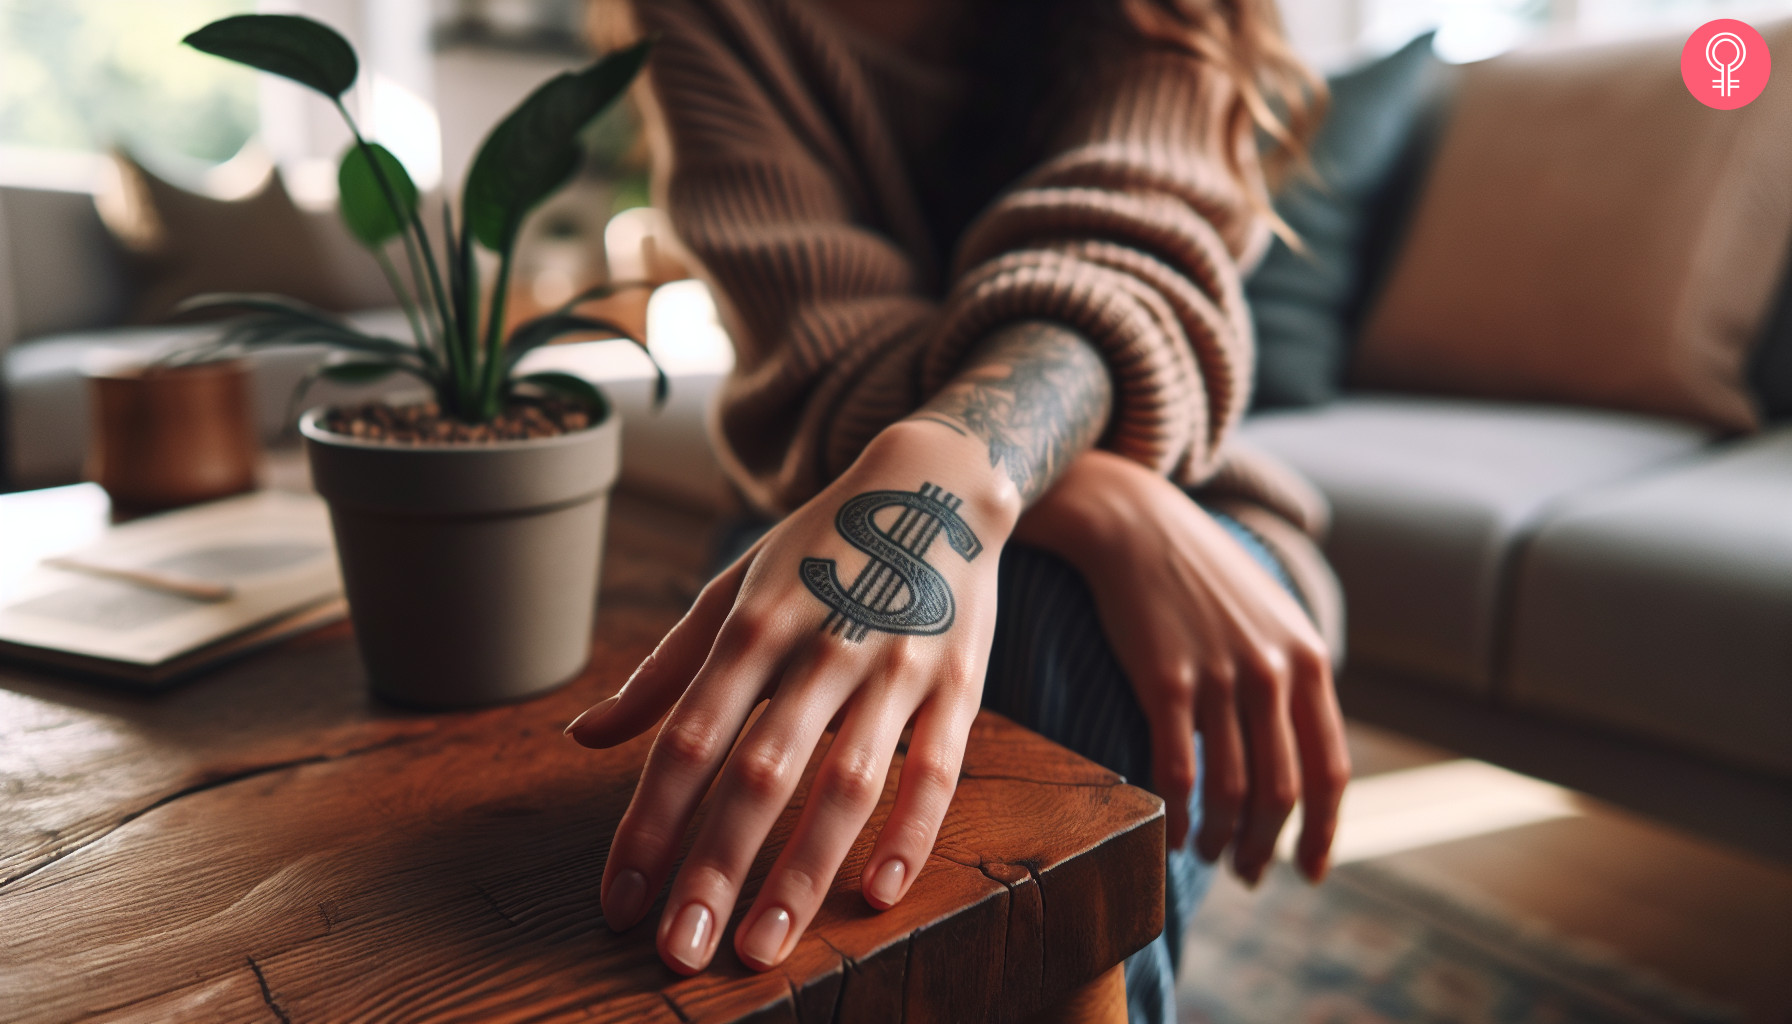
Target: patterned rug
[1370, 948]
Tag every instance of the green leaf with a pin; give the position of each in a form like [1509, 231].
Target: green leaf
[280, 328]
[359, 372]
[267, 302]
[369, 216]
[533, 334]
[568, 386]
[540, 331]
[308, 52]
[536, 149]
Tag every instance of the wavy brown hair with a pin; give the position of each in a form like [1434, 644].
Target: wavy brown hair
[1280, 101]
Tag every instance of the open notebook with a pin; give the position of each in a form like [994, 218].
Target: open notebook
[272, 551]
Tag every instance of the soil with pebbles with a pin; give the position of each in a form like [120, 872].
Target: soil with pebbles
[424, 423]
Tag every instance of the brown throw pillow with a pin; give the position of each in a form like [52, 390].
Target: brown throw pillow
[1591, 233]
[182, 244]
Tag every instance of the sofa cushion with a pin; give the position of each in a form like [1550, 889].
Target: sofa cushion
[64, 272]
[1770, 368]
[1429, 497]
[1624, 255]
[1366, 163]
[182, 244]
[1663, 606]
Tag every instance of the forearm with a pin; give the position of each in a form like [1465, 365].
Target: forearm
[1035, 394]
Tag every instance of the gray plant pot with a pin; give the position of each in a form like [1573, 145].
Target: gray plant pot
[471, 570]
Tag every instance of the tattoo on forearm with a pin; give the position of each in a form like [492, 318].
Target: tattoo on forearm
[1036, 393]
[896, 591]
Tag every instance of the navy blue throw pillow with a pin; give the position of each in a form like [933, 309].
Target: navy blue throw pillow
[1369, 159]
[1770, 372]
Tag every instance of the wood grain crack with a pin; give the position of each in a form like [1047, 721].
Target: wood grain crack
[267, 994]
[677, 1011]
[198, 787]
[998, 777]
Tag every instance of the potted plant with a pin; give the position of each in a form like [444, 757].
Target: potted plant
[468, 523]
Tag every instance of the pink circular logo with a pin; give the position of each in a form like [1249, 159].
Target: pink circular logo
[1725, 64]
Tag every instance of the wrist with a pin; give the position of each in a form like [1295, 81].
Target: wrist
[1086, 514]
[955, 462]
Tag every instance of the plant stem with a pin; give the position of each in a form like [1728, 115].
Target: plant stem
[410, 243]
[398, 289]
[494, 332]
[451, 329]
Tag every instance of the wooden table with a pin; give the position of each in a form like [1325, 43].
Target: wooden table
[265, 843]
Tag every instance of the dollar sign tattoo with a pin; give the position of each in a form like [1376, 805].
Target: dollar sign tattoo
[897, 566]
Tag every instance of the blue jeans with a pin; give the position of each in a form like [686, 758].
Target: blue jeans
[1051, 670]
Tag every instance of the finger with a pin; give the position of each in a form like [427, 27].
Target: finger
[1324, 761]
[657, 684]
[753, 790]
[685, 757]
[1223, 787]
[1275, 774]
[1173, 755]
[924, 791]
[845, 792]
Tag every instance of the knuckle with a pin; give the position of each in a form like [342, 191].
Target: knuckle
[1176, 680]
[762, 772]
[934, 772]
[1221, 682]
[1312, 659]
[799, 879]
[900, 658]
[1281, 794]
[852, 781]
[690, 741]
[1178, 776]
[747, 630]
[1227, 792]
[914, 834]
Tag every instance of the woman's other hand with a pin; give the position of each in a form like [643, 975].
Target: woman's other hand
[1211, 644]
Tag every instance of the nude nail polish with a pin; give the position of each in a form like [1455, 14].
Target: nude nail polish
[688, 942]
[628, 897]
[765, 940]
[885, 885]
[593, 713]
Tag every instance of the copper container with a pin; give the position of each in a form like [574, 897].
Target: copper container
[165, 436]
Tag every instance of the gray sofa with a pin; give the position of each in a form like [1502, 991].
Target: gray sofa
[1600, 598]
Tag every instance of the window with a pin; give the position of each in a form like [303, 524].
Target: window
[83, 75]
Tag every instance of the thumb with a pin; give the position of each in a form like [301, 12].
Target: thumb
[663, 677]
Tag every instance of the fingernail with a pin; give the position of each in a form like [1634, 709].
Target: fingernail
[886, 883]
[1321, 869]
[628, 897]
[593, 713]
[765, 939]
[688, 942]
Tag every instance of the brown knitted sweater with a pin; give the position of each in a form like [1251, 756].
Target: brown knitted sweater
[793, 148]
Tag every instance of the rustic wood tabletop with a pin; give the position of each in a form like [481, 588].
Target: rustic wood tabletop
[265, 842]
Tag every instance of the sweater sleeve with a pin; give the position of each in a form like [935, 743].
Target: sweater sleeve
[771, 184]
[1132, 233]
[785, 184]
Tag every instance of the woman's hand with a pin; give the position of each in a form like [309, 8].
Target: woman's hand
[770, 629]
[1212, 644]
